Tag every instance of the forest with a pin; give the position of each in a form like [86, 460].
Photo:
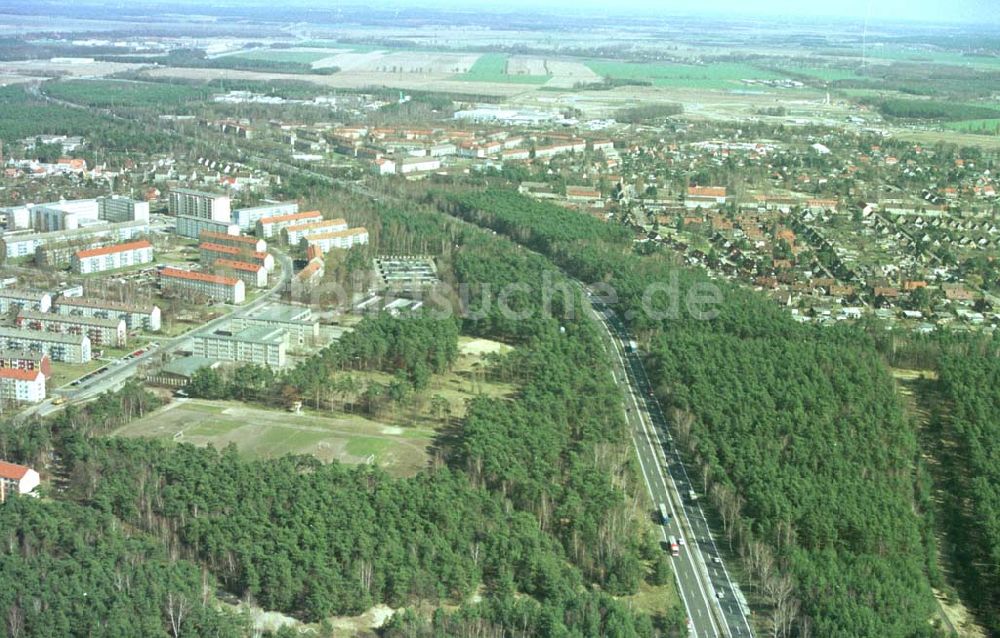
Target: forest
[532, 504]
[799, 439]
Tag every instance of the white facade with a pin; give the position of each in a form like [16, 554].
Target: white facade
[25, 299]
[251, 274]
[192, 227]
[417, 164]
[64, 215]
[136, 317]
[271, 226]
[340, 239]
[16, 479]
[112, 257]
[59, 347]
[294, 234]
[122, 209]
[247, 218]
[22, 245]
[22, 386]
[225, 289]
[184, 202]
[107, 332]
[260, 345]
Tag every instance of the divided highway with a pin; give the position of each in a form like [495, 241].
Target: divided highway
[714, 604]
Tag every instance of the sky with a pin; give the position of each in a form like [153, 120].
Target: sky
[966, 11]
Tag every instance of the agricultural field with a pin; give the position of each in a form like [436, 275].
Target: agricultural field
[425, 62]
[107, 93]
[261, 433]
[981, 127]
[498, 67]
[710, 76]
[301, 56]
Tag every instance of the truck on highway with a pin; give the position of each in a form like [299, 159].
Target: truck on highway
[664, 514]
[675, 549]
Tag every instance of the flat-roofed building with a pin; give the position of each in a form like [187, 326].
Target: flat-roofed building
[102, 332]
[23, 359]
[64, 215]
[24, 300]
[260, 345]
[112, 257]
[60, 347]
[254, 275]
[292, 235]
[185, 202]
[22, 386]
[122, 209]
[193, 227]
[272, 226]
[338, 239]
[247, 218]
[216, 287]
[301, 328]
[243, 242]
[210, 252]
[136, 316]
[16, 480]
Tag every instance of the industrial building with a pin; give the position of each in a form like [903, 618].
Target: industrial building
[215, 287]
[210, 252]
[292, 235]
[24, 300]
[254, 275]
[271, 226]
[112, 257]
[102, 332]
[22, 386]
[119, 209]
[243, 242]
[65, 348]
[247, 218]
[136, 317]
[338, 239]
[260, 345]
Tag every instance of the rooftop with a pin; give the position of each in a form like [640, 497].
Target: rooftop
[20, 375]
[41, 335]
[278, 219]
[190, 275]
[114, 248]
[12, 471]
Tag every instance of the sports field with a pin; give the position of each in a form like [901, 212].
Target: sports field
[263, 433]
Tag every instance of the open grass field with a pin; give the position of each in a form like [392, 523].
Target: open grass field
[302, 56]
[109, 93]
[824, 73]
[494, 67]
[711, 76]
[981, 127]
[261, 433]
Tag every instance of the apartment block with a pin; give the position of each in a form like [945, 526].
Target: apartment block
[253, 275]
[292, 235]
[102, 332]
[210, 252]
[22, 359]
[247, 218]
[243, 242]
[112, 257]
[271, 226]
[193, 227]
[22, 386]
[16, 480]
[184, 202]
[338, 239]
[301, 328]
[59, 347]
[260, 345]
[64, 215]
[136, 317]
[215, 287]
[119, 209]
[24, 300]
[21, 245]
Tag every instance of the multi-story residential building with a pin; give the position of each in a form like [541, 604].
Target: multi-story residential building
[254, 275]
[60, 347]
[193, 227]
[24, 300]
[338, 239]
[307, 279]
[22, 386]
[247, 218]
[119, 209]
[301, 328]
[64, 215]
[136, 317]
[417, 164]
[16, 480]
[184, 202]
[23, 359]
[271, 226]
[216, 287]
[21, 245]
[210, 252]
[104, 332]
[243, 242]
[260, 345]
[112, 257]
[292, 235]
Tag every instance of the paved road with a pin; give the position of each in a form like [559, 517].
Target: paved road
[711, 599]
[118, 373]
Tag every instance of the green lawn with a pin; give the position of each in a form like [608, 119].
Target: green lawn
[985, 127]
[710, 76]
[105, 93]
[492, 67]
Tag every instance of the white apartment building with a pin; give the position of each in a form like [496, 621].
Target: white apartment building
[292, 235]
[16, 479]
[64, 215]
[112, 257]
[210, 252]
[136, 317]
[102, 332]
[193, 227]
[20, 245]
[118, 209]
[338, 239]
[22, 386]
[59, 347]
[271, 226]
[184, 202]
[260, 345]
[24, 299]
[187, 282]
[243, 242]
[254, 275]
[247, 218]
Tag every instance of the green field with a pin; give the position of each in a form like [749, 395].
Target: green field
[282, 55]
[106, 93]
[983, 127]
[492, 67]
[261, 433]
[825, 73]
[710, 76]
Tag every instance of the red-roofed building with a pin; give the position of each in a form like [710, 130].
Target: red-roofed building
[23, 359]
[270, 226]
[243, 242]
[186, 282]
[16, 479]
[705, 196]
[210, 252]
[252, 274]
[22, 386]
[113, 257]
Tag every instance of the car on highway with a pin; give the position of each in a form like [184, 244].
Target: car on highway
[720, 594]
[680, 541]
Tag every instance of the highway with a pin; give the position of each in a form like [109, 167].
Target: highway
[714, 605]
[119, 371]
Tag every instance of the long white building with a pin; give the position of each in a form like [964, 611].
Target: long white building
[218, 288]
[247, 218]
[59, 347]
[136, 317]
[20, 245]
[24, 299]
[184, 202]
[338, 239]
[64, 215]
[112, 257]
[260, 345]
[102, 332]
[254, 275]
[119, 209]
[292, 235]
[271, 226]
